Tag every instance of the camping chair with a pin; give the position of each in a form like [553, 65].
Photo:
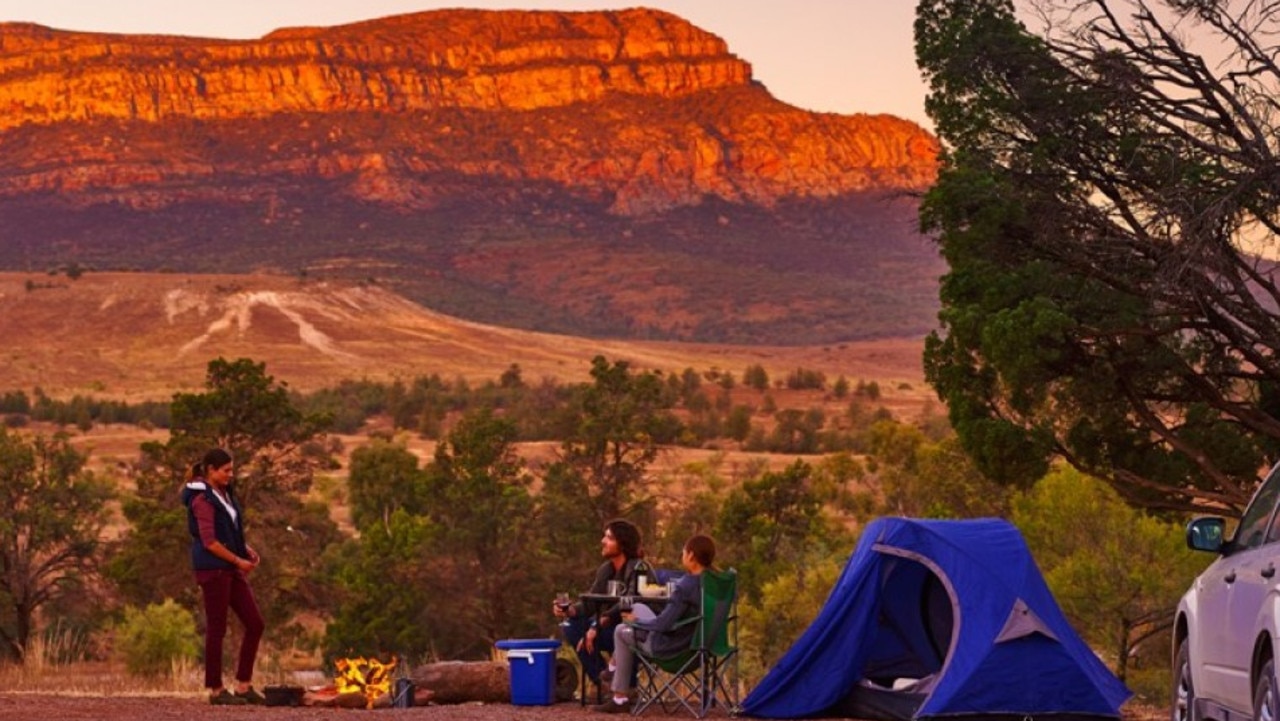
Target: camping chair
[706, 673]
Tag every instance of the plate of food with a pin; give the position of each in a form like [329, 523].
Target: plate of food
[652, 590]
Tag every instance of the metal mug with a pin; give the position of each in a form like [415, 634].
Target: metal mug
[616, 588]
[671, 588]
[403, 694]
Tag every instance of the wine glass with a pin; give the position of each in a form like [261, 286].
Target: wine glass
[563, 602]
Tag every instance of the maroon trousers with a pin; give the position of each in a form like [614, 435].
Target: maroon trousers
[224, 590]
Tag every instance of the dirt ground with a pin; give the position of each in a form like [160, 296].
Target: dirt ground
[44, 707]
[39, 707]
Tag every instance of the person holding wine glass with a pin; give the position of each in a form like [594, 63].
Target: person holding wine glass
[563, 602]
[658, 634]
[590, 630]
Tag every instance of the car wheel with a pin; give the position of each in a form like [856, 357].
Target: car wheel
[1184, 694]
[1264, 695]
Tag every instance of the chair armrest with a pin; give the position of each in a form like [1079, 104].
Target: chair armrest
[679, 624]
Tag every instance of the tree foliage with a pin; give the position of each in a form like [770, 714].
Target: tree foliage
[276, 452]
[771, 522]
[938, 480]
[1116, 572]
[54, 515]
[384, 478]
[451, 557]
[619, 422]
[1104, 186]
[379, 584]
[489, 551]
[788, 604]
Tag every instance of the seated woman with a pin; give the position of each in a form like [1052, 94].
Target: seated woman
[657, 635]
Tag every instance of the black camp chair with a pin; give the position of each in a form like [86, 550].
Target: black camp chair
[705, 674]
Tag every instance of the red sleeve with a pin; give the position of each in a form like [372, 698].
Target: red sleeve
[203, 511]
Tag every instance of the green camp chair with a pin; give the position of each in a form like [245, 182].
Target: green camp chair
[705, 674]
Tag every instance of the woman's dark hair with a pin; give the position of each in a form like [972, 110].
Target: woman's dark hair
[627, 536]
[215, 458]
[703, 550]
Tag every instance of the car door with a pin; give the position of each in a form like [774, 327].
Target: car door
[1209, 656]
[1240, 586]
[1255, 580]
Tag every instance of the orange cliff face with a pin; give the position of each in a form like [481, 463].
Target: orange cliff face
[460, 59]
[637, 110]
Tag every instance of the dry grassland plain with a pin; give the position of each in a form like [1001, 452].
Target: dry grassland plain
[146, 336]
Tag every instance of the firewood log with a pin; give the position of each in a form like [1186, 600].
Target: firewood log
[485, 681]
[463, 681]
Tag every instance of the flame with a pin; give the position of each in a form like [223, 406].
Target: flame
[368, 676]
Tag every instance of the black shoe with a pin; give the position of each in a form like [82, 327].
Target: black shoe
[611, 706]
[226, 698]
[251, 696]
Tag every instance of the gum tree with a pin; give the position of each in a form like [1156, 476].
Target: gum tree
[54, 514]
[1106, 194]
[277, 449]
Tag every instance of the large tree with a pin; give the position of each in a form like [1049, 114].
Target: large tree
[1105, 193]
[769, 524]
[277, 449]
[614, 427]
[54, 514]
[450, 558]
[618, 422]
[489, 554]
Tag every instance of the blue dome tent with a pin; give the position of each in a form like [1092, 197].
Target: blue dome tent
[936, 619]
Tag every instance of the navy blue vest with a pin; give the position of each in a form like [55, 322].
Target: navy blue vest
[230, 533]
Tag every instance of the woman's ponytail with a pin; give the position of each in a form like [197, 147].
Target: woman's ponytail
[215, 458]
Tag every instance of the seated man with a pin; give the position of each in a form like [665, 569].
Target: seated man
[658, 635]
[590, 630]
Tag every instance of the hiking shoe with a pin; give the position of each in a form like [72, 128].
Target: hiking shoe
[226, 698]
[251, 696]
[611, 706]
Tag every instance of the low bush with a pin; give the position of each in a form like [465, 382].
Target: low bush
[158, 639]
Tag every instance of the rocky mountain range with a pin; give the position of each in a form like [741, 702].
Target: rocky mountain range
[597, 173]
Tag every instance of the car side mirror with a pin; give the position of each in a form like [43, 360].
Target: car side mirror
[1206, 534]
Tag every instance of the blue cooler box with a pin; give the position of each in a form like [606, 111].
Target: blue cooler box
[533, 670]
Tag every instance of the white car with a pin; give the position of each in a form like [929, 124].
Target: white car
[1227, 627]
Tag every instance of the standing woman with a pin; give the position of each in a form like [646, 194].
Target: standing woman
[222, 561]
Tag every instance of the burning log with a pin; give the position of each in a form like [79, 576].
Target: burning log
[367, 678]
[352, 699]
[328, 697]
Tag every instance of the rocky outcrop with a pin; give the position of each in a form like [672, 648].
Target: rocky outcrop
[460, 58]
[636, 110]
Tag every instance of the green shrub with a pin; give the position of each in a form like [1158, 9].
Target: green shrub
[1150, 685]
[156, 640]
[788, 604]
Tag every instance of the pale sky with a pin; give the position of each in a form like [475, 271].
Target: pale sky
[839, 56]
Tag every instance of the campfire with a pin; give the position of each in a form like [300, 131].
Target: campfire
[367, 676]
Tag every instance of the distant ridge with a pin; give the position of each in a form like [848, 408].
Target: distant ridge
[524, 168]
